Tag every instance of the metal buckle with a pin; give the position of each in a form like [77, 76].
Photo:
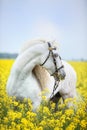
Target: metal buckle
[51, 48]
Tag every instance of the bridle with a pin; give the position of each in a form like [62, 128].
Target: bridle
[54, 55]
[55, 74]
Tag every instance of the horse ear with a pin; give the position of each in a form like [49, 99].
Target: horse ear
[55, 44]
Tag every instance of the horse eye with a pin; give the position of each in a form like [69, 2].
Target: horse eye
[55, 55]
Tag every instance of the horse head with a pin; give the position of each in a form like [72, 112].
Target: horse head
[53, 63]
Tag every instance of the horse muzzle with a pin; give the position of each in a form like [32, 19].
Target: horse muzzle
[62, 75]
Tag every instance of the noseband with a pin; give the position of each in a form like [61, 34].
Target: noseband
[55, 74]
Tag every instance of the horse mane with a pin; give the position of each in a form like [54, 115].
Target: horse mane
[30, 43]
[40, 72]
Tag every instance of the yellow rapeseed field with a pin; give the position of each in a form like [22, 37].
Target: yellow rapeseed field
[16, 115]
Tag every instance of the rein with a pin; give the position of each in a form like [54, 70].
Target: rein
[55, 74]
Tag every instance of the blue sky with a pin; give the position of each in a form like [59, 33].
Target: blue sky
[62, 20]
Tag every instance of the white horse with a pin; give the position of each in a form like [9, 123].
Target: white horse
[27, 78]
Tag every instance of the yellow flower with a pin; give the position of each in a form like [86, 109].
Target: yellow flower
[69, 112]
[18, 127]
[51, 123]
[12, 115]
[44, 98]
[42, 123]
[71, 127]
[56, 128]
[83, 123]
[39, 128]
[31, 116]
[5, 119]
[18, 115]
[81, 112]
[26, 128]
[76, 120]
[13, 124]
[23, 118]
[46, 110]
[24, 121]
[53, 106]
[15, 103]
